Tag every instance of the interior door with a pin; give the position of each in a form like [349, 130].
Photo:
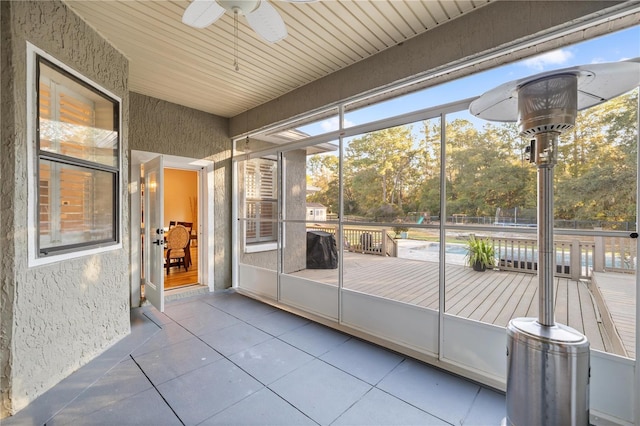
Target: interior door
[154, 232]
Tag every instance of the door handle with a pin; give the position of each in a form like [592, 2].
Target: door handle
[158, 242]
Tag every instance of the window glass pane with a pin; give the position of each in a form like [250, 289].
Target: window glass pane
[261, 208]
[257, 260]
[596, 171]
[76, 121]
[491, 200]
[322, 187]
[392, 207]
[76, 205]
[261, 216]
[381, 174]
[489, 183]
[310, 246]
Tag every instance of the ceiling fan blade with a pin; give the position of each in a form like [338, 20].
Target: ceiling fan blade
[267, 22]
[202, 13]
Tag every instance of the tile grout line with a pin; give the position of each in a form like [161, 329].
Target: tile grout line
[87, 387]
[157, 390]
[471, 406]
[316, 357]
[267, 385]
[404, 359]
[264, 386]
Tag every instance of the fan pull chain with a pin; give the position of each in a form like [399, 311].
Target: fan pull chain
[236, 64]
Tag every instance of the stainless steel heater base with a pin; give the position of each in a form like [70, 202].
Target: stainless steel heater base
[547, 374]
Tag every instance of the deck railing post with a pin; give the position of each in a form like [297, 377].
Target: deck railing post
[383, 251]
[598, 253]
[575, 261]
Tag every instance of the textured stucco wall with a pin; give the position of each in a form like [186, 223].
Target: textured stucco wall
[55, 317]
[7, 170]
[166, 128]
[295, 236]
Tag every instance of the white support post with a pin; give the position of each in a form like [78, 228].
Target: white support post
[598, 253]
[383, 251]
[575, 260]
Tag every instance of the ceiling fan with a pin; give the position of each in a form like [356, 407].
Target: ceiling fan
[261, 15]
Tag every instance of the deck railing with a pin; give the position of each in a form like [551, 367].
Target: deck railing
[363, 240]
[615, 254]
[520, 254]
[575, 259]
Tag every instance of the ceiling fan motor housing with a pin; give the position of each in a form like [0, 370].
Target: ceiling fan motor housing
[243, 7]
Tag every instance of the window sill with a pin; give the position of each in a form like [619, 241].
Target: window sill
[255, 248]
[60, 257]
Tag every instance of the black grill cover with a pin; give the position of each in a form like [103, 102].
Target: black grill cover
[322, 252]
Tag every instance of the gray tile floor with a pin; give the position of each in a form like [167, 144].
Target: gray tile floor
[225, 359]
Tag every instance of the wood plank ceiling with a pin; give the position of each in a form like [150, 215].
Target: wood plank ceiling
[194, 67]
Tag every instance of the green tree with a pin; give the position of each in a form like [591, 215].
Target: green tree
[596, 172]
[428, 168]
[393, 170]
[378, 167]
[485, 169]
[322, 174]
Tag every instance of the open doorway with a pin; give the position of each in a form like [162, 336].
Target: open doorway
[181, 210]
[189, 199]
[180, 225]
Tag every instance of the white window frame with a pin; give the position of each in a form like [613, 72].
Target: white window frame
[33, 164]
[258, 246]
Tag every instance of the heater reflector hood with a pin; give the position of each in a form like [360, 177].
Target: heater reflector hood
[596, 84]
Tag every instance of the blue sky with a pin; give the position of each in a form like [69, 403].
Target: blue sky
[613, 47]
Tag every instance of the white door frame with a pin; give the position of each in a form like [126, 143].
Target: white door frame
[154, 232]
[205, 216]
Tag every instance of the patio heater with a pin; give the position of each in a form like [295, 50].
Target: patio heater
[548, 363]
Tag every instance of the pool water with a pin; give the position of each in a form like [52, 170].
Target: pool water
[434, 247]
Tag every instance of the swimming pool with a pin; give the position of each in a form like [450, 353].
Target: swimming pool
[434, 247]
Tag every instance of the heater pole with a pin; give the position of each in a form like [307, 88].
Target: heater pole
[547, 363]
[545, 153]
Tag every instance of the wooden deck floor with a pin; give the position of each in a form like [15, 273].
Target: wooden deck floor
[616, 294]
[179, 277]
[492, 296]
